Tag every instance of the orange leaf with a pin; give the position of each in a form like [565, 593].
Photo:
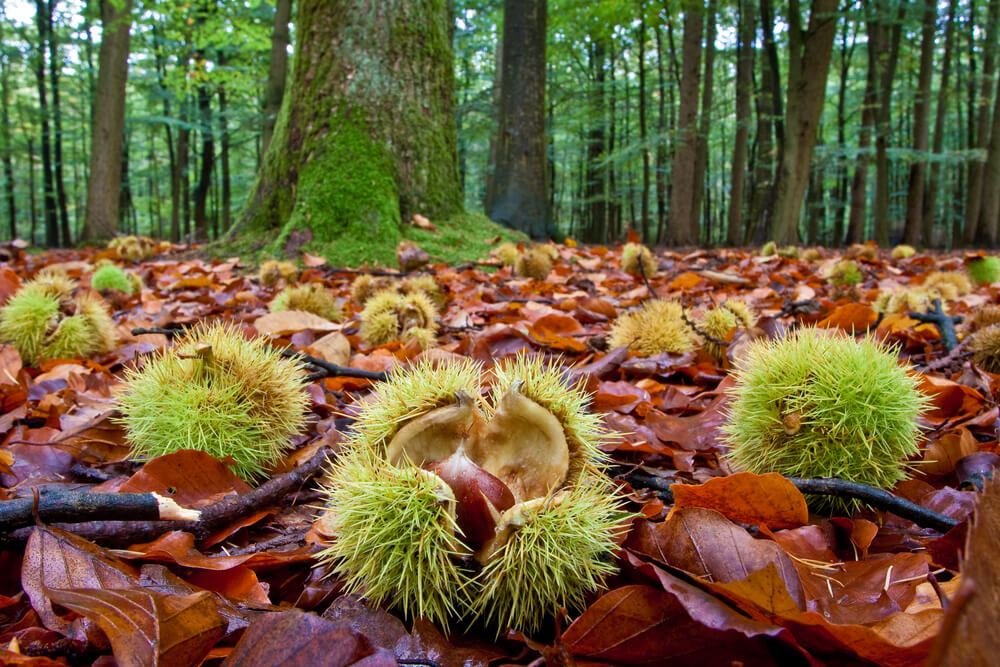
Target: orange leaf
[767, 500]
[685, 280]
[312, 261]
[850, 317]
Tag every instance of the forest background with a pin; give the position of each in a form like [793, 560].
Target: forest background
[673, 118]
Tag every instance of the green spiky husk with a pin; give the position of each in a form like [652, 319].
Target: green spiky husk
[985, 348]
[947, 285]
[311, 297]
[409, 393]
[244, 403]
[903, 252]
[562, 553]
[36, 320]
[506, 253]
[428, 286]
[984, 270]
[534, 263]
[111, 276]
[846, 272]
[387, 312]
[768, 249]
[655, 328]
[638, 260]
[856, 409]
[395, 538]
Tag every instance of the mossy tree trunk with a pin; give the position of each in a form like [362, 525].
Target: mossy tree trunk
[366, 133]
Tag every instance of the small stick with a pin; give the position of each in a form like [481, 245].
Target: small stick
[840, 488]
[78, 507]
[944, 323]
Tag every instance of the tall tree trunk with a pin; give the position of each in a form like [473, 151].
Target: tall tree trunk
[277, 70]
[644, 208]
[944, 96]
[180, 223]
[520, 174]
[596, 196]
[48, 181]
[704, 122]
[661, 151]
[886, 61]
[758, 226]
[366, 135]
[55, 65]
[683, 229]
[200, 196]
[840, 194]
[108, 126]
[974, 193]
[859, 184]
[31, 191]
[227, 192]
[990, 215]
[744, 88]
[126, 210]
[921, 112]
[5, 134]
[808, 66]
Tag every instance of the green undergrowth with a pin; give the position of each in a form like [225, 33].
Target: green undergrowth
[461, 238]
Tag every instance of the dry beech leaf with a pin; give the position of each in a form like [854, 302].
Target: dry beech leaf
[333, 347]
[758, 500]
[56, 559]
[285, 322]
[851, 317]
[298, 639]
[147, 628]
[190, 477]
[707, 544]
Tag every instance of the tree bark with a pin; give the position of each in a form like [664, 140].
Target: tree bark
[913, 232]
[48, 182]
[366, 134]
[683, 229]
[704, 124]
[596, 194]
[55, 65]
[520, 176]
[200, 195]
[808, 66]
[644, 207]
[944, 95]
[859, 184]
[976, 188]
[744, 88]
[887, 58]
[990, 215]
[277, 70]
[661, 151]
[108, 127]
[8, 148]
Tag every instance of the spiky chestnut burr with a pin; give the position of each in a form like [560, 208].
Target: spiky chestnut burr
[983, 317]
[811, 254]
[863, 251]
[817, 404]
[984, 270]
[985, 348]
[271, 271]
[638, 260]
[789, 251]
[845, 273]
[219, 392]
[903, 251]
[506, 254]
[768, 249]
[905, 300]
[134, 248]
[390, 316]
[366, 286]
[719, 323]
[657, 327]
[43, 319]
[536, 262]
[112, 276]
[311, 297]
[533, 437]
[948, 285]
[428, 286]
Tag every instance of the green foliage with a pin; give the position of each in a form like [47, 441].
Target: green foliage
[218, 392]
[984, 270]
[816, 404]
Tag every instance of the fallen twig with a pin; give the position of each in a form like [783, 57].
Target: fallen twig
[213, 517]
[80, 507]
[840, 488]
[944, 323]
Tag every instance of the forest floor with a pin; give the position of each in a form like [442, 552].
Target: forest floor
[729, 567]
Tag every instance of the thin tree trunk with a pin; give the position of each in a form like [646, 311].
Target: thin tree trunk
[8, 148]
[859, 184]
[31, 191]
[644, 208]
[683, 228]
[974, 193]
[990, 215]
[48, 181]
[944, 97]
[227, 192]
[277, 70]
[200, 195]
[763, 173]
[886, 62]
[840, 194]
[744, 88]
[704, 123]
[108, 126]
[921, 112]
[596, 193]
[661, 151]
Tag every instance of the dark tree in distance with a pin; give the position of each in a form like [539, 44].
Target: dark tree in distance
[277, 70]
[683, 227]
[108, 123]
[519, 193]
